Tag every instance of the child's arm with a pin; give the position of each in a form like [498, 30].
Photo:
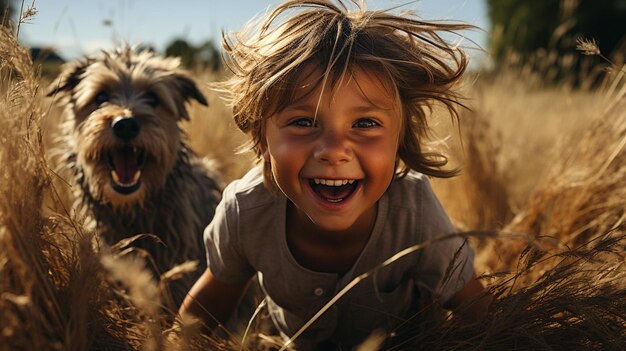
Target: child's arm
[211, 300]
[472, 299]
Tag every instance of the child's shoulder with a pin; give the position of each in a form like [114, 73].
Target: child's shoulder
[248, 191]
[412, 191]
[413, 204]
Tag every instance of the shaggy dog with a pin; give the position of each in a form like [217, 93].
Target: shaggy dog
[131, 169]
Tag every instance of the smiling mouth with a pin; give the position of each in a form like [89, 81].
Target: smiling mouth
[126, 163]
[334, 190]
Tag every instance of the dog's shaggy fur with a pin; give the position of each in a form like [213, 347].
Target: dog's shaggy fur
[132, 170]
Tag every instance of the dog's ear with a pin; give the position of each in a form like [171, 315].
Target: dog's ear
[69, 77]
[189, 89]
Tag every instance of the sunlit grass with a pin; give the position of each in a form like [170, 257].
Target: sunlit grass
[542, 196]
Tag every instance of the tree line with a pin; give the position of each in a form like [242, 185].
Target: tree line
[517, 26]
[205, 55]
[525, 26]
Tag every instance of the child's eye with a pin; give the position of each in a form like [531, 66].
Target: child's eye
[365, 123]
[303, 122]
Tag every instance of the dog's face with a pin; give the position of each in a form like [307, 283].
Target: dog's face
[123, 110]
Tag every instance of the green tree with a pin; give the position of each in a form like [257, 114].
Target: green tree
[524, 26]
[6, 12]
[203, 56]
[210, 56]
[182, 49]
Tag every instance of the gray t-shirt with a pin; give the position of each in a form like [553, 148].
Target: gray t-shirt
[247, 237]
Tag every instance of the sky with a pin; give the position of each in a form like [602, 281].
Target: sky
[80, 27]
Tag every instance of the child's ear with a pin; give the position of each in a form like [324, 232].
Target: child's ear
[264, 152]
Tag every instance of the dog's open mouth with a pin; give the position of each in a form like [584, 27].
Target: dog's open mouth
[126, 163]
[334, 191]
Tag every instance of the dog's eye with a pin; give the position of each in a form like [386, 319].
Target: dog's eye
[152, 99]
[101, 98]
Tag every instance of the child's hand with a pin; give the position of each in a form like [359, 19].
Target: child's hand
[211, 300]
[471, 303]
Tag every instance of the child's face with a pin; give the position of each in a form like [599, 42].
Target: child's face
[335, 166]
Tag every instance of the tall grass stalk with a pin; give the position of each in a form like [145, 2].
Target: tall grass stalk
[59, 288]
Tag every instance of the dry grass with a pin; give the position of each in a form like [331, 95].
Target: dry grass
[213, 133]
[47, 286]
[546, 163]
[517, 130]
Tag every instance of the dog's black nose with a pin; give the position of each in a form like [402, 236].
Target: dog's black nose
[125, 127]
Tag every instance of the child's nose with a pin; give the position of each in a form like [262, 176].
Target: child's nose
[333, 148]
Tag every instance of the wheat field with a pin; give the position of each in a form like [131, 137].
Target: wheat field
[541, 195]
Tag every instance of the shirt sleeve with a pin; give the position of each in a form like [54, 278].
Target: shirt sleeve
[447, 264]
[225, 258]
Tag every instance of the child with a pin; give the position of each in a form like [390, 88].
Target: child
[335, 102]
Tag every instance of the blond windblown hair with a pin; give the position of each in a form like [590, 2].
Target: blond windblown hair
[269, 56]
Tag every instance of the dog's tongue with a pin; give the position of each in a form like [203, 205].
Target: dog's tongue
[334, 193]
[126, 164]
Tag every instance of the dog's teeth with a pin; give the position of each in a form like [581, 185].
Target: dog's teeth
[136, 177]
[344, 182]
[316, 180]
[115, 177]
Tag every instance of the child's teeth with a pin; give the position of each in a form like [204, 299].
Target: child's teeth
[333, 182]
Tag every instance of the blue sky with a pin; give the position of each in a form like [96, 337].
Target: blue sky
[79, 27]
